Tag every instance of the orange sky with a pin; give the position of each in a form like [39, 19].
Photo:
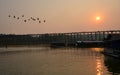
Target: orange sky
[60, 15]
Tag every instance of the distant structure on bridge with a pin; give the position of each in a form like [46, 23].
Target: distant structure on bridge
[57, 38]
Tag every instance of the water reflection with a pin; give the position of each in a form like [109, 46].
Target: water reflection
[97, 49]
[99, 60]
[16, 50]
[113, 65]
[57, 61]
[99, 66]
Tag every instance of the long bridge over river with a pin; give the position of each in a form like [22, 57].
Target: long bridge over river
[57, 38]
[71, 38]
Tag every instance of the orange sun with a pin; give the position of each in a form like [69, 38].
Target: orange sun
[98, 18]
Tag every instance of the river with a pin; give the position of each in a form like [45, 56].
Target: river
[56, 61]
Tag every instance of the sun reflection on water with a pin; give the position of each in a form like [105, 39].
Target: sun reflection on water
[97, 49]
[99, 66]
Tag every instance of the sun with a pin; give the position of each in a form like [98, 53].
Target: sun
[98, 18]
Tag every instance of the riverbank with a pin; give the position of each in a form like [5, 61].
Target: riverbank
[38, 45]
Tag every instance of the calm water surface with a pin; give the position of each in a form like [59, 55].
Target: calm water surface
[56, 61]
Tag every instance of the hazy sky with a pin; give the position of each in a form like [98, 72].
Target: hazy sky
[60, 15]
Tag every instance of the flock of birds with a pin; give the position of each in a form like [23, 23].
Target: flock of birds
[28, 19]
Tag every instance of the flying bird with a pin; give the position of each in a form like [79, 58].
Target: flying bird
[34, 19]
[22, 15]
[37, 18]
[14, 17]
[25, 20]
[44, 21]
[9, 15]
[39, 21]
[18, 18]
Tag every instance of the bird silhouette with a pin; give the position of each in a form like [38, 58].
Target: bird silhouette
[39, 21]
[14, 17]
[25, 20]
[37, 18]
[34, 19]
[9, 15]
[22, 15]
[18, 18]
[44, 21]
[31, 18]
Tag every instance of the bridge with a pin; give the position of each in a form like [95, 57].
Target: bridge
[58, 38]
[71, 38]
